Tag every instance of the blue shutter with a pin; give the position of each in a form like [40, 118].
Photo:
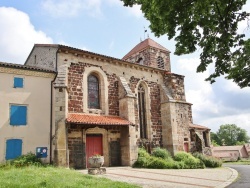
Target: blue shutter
[18, 82]
[18, 115]
[13, 148]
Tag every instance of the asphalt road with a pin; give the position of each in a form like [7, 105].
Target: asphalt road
[243, 180]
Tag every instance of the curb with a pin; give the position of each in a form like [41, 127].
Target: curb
[230, 179]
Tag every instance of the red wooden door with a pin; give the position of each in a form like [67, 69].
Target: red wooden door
[93, 145]
[186, 147]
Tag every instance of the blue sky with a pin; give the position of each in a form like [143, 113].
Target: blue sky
[106, 27]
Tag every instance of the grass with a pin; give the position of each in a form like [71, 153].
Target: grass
[238, 162]
[51, 177]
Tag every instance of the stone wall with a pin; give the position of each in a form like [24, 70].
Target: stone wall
[75, 78]
[113, 95]
[155, 109]
[182, 120]
[43, 57]
[149, 57]
[77, 146]
[176, 85]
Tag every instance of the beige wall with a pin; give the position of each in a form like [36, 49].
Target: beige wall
[36, 95]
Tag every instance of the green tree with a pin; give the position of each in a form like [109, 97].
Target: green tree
[214, 139]
[230, 134]
[208, 25]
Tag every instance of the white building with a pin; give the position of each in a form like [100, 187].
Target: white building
[25, 109]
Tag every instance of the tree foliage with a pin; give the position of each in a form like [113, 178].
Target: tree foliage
[230, 134]
[208, 25]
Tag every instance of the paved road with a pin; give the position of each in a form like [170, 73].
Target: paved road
[172, 178]
[243, 180]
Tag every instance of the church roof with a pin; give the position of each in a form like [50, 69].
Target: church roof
[91, 119]
[27, 67]
[145, 44]
[197, 126]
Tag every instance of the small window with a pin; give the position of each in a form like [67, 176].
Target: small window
[140, 61]
[13, 148]
[18, 115]
[18, 82]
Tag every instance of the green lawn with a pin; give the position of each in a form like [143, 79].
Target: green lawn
[239, 162]
[32, 177]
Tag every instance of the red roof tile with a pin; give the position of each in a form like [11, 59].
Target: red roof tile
[89, 119]
[142, 45]
[197, 126]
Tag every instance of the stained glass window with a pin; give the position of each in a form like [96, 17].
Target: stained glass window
[93, 92]
[142, 112]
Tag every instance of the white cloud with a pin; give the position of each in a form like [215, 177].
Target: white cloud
[114, 2]
[189, 64]
[18, 35]
[241, 120]
[135, 11]
[243, 26]
[231, 86]
[65, 8]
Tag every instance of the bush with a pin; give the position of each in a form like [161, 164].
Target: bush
[161, 159]
[161, 153]
[143, 153]
[142, 162]
[143, 157]
[28, 159]
[159, 163]
[190, 162]
[209, 161]
[179, 165]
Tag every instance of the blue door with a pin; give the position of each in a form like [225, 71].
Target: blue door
[13, 148]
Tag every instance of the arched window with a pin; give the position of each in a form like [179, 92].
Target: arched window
[160, 62]
[93, 92]
[142, 111]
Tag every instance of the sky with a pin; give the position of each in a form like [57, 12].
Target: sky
[107, 27]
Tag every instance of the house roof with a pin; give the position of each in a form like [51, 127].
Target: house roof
[145, 44]
[223, 154]
[91, 119]
[101, 56]
[227, 148]
[198, 126]
[72, 49]
[27, 67]
[247, 147]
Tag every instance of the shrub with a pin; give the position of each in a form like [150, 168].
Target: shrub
[179, 165]
[143, 153]
[209, 161]
[156, 163]
[161, 153]
[159, 163]
[161, 159]
[28, 159]
[142, 162]
[143, 157]
[190, 162]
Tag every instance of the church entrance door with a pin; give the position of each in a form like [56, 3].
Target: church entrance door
[94, 145]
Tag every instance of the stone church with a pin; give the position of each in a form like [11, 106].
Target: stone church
[108, 106]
